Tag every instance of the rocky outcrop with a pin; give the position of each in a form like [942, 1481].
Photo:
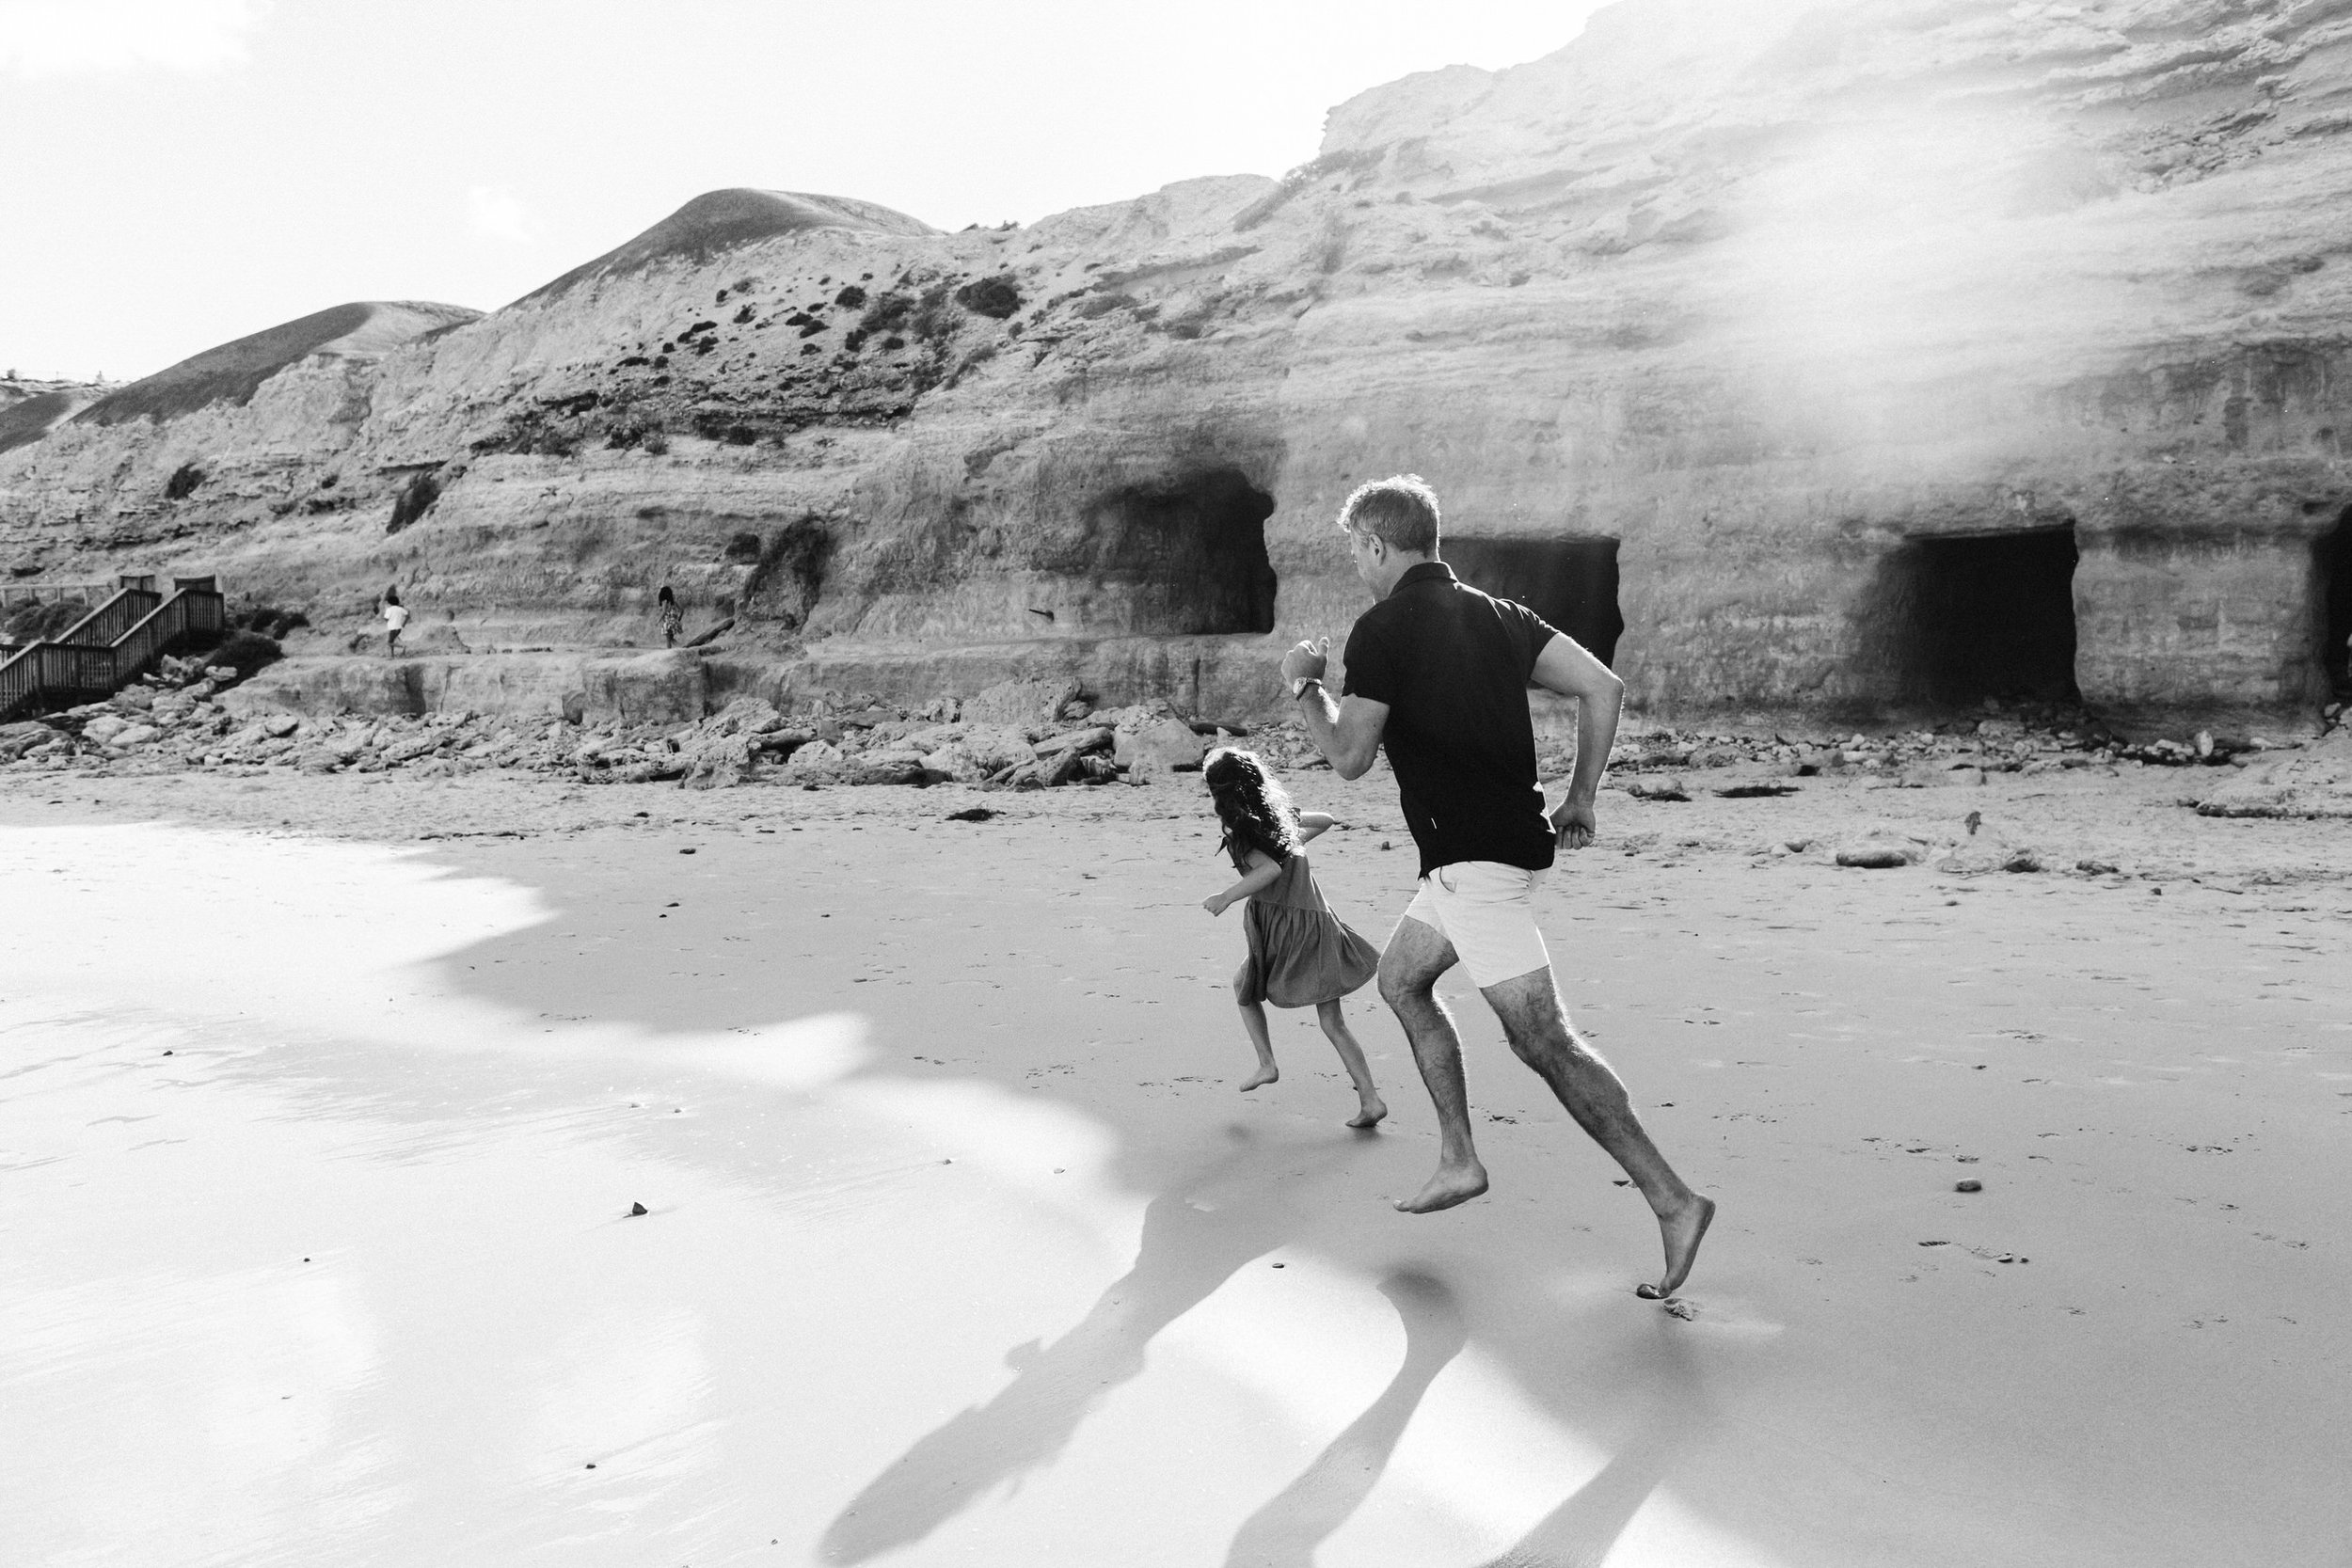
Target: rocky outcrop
[1845, 357]
[2313, 783]
[641, 688]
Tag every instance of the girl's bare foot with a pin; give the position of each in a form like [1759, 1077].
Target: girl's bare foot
[1259, 1079]
[1450, 1185]
[1682, 1231]
[1369, 1113]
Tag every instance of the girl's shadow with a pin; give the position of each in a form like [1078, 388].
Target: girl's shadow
[1295, 1521]
[1195, 1237]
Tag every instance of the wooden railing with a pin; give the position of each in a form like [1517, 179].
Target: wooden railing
[12, 594]
[110, 647]
[20, 680]
[189, 610]
[100, 626]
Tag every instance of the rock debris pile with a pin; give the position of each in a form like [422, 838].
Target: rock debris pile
[1957, 752]
[1014, 735]
[1038, 735]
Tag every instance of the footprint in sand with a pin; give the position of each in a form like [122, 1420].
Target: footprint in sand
[1728, 1318]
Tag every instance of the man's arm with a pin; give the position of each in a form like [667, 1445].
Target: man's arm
[1347, 733]
[1565, 667]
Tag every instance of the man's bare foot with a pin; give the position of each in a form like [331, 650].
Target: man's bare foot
[1451, 1185]
[1260, 1078]
[1682, 1232]
[1369, 1113]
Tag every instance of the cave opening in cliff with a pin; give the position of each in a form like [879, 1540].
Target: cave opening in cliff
[1572, 584]
[1186, 555]
[787, 573]
[1987, 615]
[2333, 555]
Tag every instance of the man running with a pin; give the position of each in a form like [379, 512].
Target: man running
[1439, 671]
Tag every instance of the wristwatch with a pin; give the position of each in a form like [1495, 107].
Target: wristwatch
[1299, 687]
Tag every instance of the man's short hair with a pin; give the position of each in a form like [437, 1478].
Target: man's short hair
[1400, 511]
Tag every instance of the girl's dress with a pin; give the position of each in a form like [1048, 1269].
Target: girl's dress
[672, 621]
[1300, 952]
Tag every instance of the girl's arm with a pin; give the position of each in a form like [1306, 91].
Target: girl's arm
[1313, 824]
[1264, 869]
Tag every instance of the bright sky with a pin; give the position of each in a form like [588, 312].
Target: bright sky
[182, 172]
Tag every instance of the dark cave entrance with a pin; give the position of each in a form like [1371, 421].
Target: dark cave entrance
[1189, 554]
[788, 572]
[2332, 554]
[1571, 583]
[1986, 615]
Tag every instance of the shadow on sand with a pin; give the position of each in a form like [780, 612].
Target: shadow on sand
[1582, 1530]
[1295, 1521]
[1196, 1235]
[1638, 1389]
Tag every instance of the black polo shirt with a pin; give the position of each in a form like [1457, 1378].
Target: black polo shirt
[1452, 665]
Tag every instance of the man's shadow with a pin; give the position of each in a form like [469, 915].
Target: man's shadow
[1583, 1529]
[1285, 1532]
[1196, 1236]
[1579, 1533]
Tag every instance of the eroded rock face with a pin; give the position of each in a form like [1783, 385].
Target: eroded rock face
[1845, 356]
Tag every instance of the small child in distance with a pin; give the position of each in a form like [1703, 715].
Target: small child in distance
[395, 620]
[1301, 954]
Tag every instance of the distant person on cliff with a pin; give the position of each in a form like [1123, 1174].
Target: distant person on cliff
[395, 620]
[1439, 672]
[671, 618]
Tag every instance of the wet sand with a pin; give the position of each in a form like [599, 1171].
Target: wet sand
[961, 1247]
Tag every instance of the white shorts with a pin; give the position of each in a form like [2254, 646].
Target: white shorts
[1486, 910]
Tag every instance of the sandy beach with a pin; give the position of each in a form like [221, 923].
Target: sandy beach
[329, 1099]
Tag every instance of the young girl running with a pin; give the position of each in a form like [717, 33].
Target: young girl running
[1301, 955]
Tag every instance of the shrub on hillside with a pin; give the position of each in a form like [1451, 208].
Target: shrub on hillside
[37, 622]
[888, 311]
[996, 297]
[183, 482]
[269, 620]
[245, 652]
[933, 322]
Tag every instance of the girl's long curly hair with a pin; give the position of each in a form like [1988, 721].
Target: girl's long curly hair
[1255, 808]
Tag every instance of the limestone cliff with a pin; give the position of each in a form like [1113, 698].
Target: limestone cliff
[1840, 357]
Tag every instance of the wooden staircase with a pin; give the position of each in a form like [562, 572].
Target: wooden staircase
[111, 647]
